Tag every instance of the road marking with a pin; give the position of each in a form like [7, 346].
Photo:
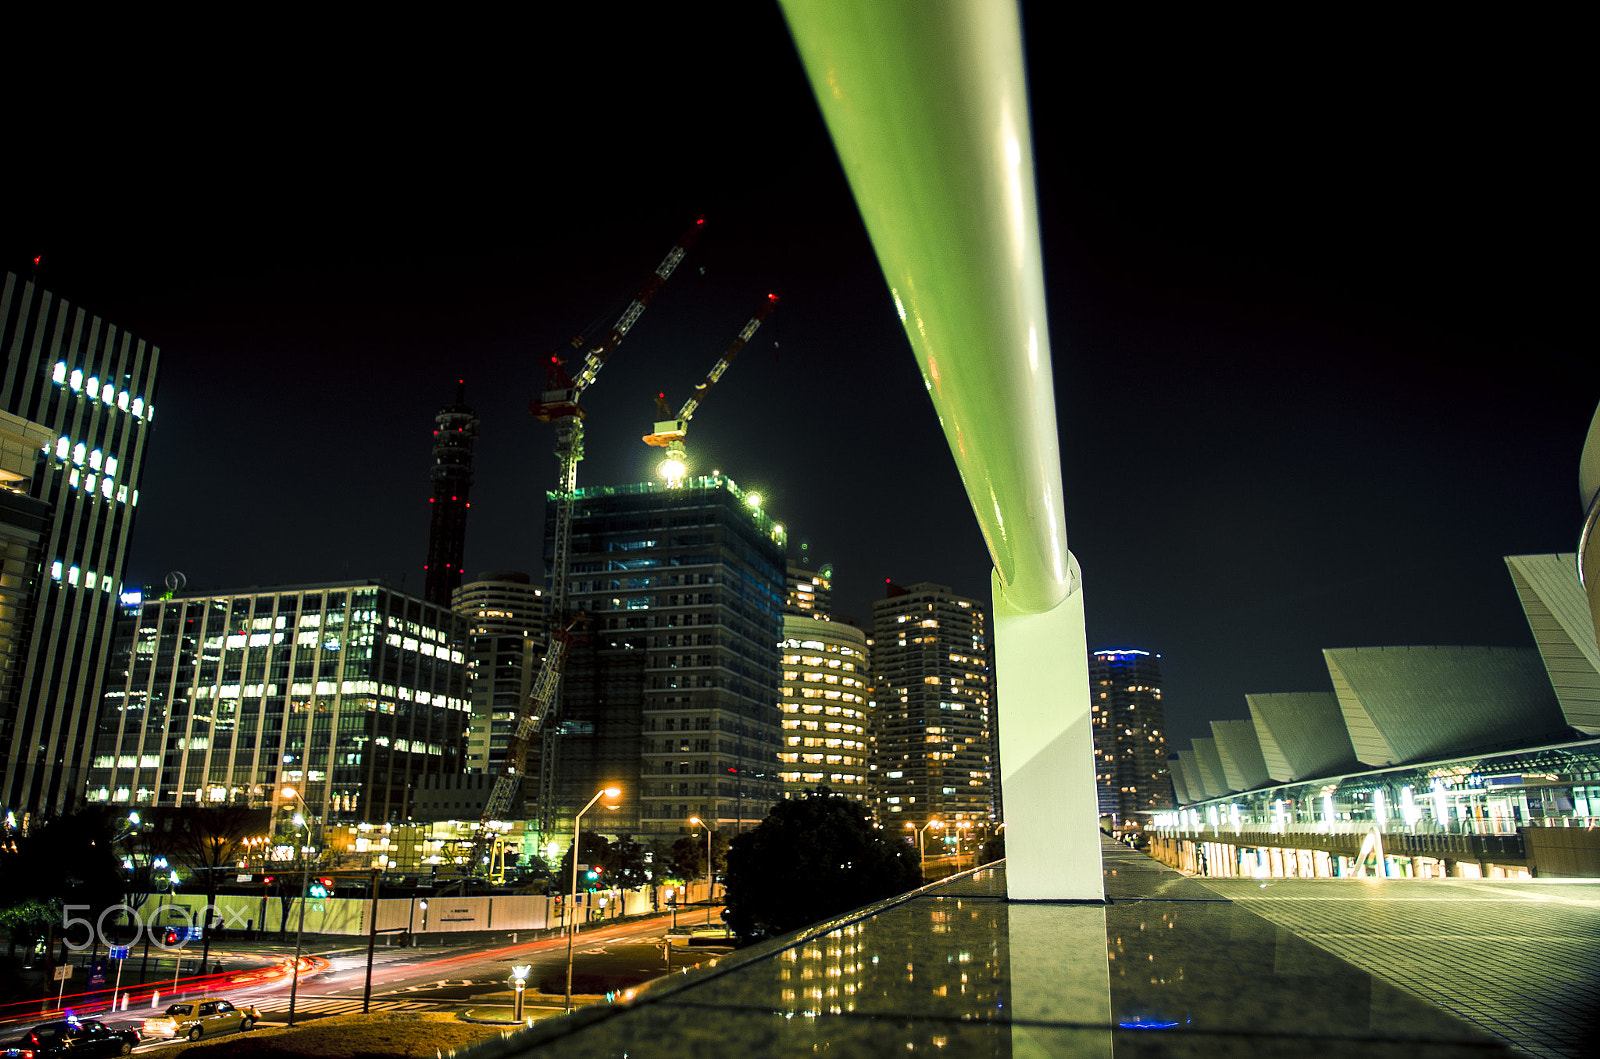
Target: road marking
[340, 1006]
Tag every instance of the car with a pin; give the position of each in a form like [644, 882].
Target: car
[76, 1037]
[206, 1017]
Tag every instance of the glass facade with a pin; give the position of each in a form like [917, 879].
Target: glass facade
[348, 693]
[1465, 816]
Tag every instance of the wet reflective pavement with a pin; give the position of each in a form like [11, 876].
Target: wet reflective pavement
[1168, 967]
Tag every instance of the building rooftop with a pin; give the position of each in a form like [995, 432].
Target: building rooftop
[1169, 965]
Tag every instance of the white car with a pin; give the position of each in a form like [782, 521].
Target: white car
[207, 1017]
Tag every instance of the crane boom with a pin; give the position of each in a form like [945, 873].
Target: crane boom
[669, 430]
[534, 709]
[559, 405]
[561, 395]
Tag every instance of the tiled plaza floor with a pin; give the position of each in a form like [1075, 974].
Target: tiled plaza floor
[1518, 959]
[1170, 966]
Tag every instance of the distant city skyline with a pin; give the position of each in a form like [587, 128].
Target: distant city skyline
[1314, 320]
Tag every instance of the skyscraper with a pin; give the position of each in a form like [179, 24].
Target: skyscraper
[826, 723]
[505, 618]
[455, 429]
[934, 725]
[82, 388]
[810, 592]
[672, 693]
[1130, 743]
[349, 693]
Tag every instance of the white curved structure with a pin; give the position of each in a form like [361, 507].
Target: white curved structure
[927, 107]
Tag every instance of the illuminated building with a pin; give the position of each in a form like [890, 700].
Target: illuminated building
[76, 397]
[505, 633]
[455, 429]
[826, 738]
[810, 592]
[933, 720]
[672, 694]
[1130, 744]
[349, 693]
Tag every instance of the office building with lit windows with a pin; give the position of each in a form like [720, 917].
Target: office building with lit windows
[1130, 743]
[826, 720]
[76, 398]
[933, 713]
[505, 617]
[348, 693]
[672, 692]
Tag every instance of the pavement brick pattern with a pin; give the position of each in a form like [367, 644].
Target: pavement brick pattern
[1520, 960]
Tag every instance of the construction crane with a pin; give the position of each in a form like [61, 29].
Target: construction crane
[529, 719]
[669, 433]
[560, 404]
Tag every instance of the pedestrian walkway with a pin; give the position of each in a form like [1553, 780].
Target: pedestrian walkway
[1169, 965]
[1520, 959]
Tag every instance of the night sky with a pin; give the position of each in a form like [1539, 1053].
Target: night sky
[1314, 296]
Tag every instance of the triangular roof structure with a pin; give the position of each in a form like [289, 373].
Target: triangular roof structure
[1302, 734]
[1415, 703]
[1210, 762]
[1563, 629]
[1191, 776]
[1240, 751]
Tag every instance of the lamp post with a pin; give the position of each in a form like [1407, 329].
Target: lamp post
[300, 820]
[711, 878]
[922, 858]
[577, 833]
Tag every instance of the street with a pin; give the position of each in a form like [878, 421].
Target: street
[436, 977]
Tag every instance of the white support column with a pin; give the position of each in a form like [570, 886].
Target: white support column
[1047, 750]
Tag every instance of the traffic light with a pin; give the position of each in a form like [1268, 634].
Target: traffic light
[267, 881]
[171, 936]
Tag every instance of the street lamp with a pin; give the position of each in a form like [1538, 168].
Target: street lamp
[711, 879]
[922, 858]
[300, 820]
[577, 832]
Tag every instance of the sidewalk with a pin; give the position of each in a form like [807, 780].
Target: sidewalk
[1170, 965]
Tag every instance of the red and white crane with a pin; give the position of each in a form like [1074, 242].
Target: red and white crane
[669, 433]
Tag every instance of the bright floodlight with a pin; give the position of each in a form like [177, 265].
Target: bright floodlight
[289, 792]
[299, 820]
[753, 499]
[613, 792]
[672, 469]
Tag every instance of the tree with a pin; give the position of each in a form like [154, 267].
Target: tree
[68, 860]
[811, 858]
[594, 851]
[626, 867]
[208, 841]
[688, 856]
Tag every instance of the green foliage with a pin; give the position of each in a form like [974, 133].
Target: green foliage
[625, 864]
[595, 850]
[811, 858]
[688, 857]
[69, 860]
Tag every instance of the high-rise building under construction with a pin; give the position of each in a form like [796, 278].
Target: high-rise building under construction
[671, 692]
